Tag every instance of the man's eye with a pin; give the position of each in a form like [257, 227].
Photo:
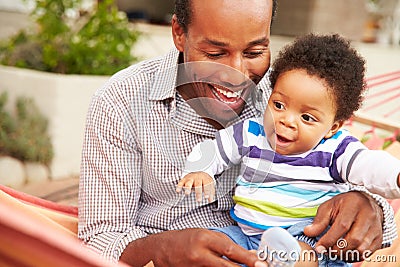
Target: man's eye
[214, 55]
[254, 54]
[308, 118]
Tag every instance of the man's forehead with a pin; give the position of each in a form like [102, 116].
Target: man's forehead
[231, 6]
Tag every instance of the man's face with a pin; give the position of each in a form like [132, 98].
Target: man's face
[227, 46]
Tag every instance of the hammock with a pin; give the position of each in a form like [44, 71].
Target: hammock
[35, 232]
[381, 113]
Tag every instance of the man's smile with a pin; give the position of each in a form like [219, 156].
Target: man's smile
[225, 95]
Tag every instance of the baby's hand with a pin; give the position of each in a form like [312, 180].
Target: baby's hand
[201, 181]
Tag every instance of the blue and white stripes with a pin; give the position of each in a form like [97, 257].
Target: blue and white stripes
[281, 190]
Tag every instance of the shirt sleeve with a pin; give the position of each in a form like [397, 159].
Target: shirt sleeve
[376, 170]
[110, 182]
[214, 156]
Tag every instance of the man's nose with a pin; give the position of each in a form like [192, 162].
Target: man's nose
[236, 74]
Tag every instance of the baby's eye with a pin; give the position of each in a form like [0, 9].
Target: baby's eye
[308, 118]
[278, 105]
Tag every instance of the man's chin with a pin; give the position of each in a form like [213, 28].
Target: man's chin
[222, 119]
[216, 112]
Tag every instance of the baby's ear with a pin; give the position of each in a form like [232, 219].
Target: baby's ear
[335, 127]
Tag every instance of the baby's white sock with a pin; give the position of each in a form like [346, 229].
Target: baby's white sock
[278, 248]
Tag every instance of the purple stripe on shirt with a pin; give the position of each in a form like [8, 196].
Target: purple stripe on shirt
[256, 176]
[258, 153]
[221, 147]
[333, 169]
[314, 159]
[238, 136]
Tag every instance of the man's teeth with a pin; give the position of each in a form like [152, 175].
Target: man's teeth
[229, 94]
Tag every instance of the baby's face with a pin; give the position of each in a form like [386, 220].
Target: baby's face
[300, 113]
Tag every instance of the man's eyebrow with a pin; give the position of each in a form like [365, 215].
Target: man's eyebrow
[215, 42]
[262, 40]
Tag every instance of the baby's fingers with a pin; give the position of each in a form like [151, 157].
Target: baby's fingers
[209, 191]
[179, 186]
[185, 184]
[198, 189]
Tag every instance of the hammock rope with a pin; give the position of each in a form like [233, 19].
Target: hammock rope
[378, 81]
[380, 109]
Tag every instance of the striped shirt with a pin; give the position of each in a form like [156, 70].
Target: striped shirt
[281, 190]
[138, 134]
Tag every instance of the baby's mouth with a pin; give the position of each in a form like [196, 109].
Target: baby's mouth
[282, 139]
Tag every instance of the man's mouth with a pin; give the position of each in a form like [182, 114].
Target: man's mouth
[225, 95]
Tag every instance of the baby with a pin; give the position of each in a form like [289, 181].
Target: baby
[296, 156]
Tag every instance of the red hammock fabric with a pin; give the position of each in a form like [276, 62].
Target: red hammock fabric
[69, 210]
[27, 240]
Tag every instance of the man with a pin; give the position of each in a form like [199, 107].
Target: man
[144, 122]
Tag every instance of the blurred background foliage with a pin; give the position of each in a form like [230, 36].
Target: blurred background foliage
[70, 39]
[24, 133]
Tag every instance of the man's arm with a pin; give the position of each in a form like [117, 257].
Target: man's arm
[389, 226]
[110, 187]
[357, 218]
[189, 247]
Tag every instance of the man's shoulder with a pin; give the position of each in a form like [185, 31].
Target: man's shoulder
[140, 76]
[147, 69]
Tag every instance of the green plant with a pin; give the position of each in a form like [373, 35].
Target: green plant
[24, 136]
[71, 40]
[6, 125]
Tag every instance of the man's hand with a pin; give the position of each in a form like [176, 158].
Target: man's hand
[354, 217]
[189, 247]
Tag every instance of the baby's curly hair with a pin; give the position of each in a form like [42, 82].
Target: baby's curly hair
[332, 59]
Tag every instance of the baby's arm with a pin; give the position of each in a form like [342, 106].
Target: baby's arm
[377, 170]
[207, 159]
[200, 167]
[201, 182]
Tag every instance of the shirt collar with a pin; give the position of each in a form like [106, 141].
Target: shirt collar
[165, 77]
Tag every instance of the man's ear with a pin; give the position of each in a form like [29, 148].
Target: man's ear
[335, 127]
[178, 34]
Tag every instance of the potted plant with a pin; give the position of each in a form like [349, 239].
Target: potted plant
[69, 53]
